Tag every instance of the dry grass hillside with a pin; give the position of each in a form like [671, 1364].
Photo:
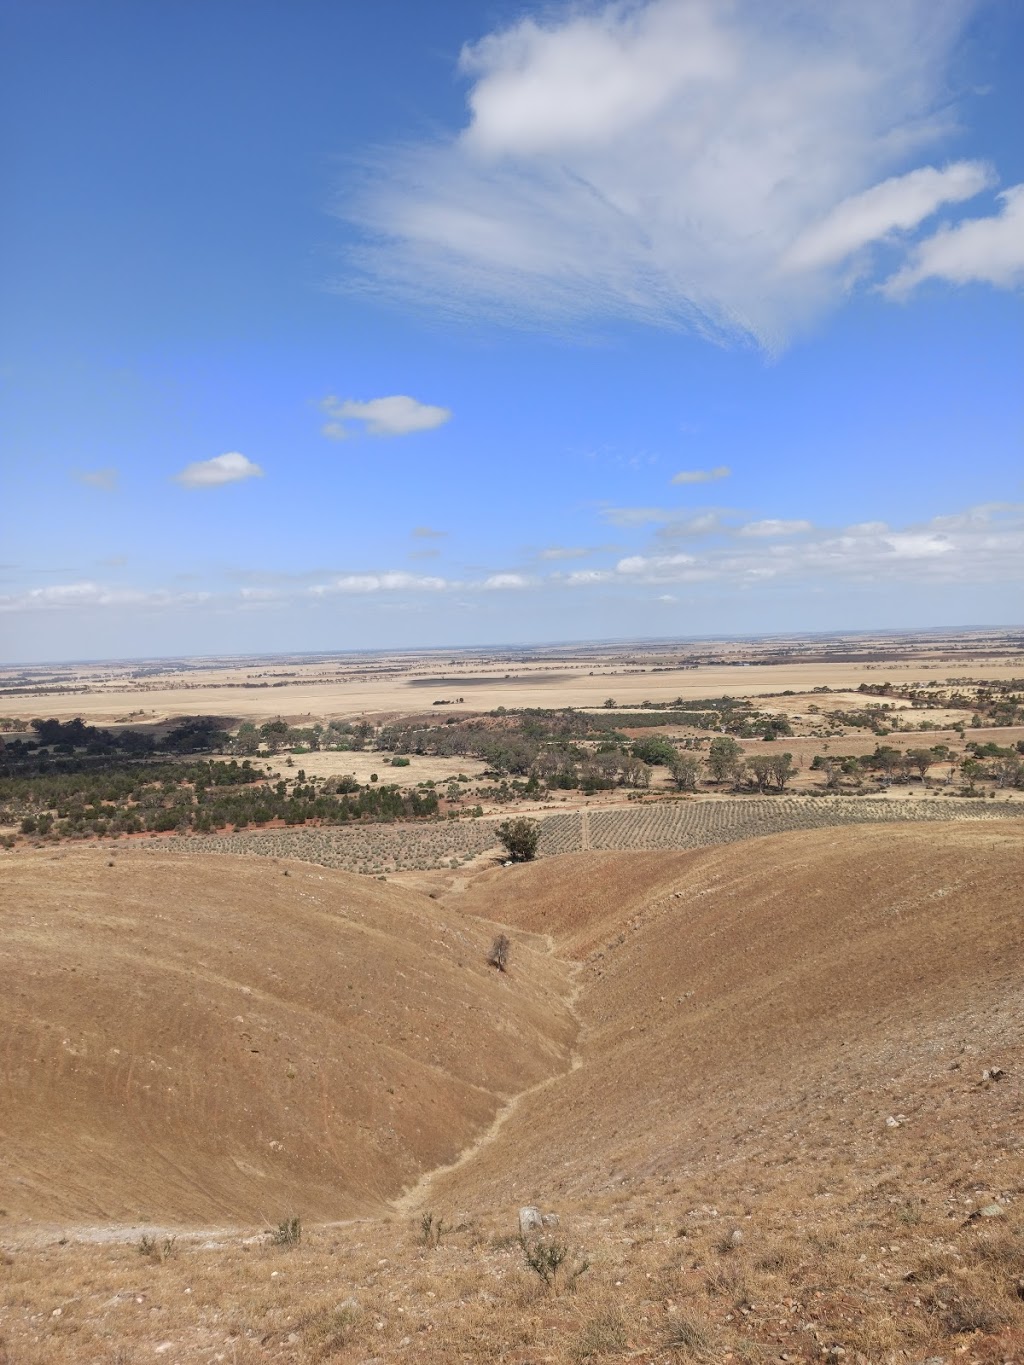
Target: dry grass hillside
[773, 1090]
[232, 1040]
[742, 1001]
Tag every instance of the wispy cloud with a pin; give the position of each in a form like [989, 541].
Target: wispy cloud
[426, 533]
[684, 163]
[983, 250]
[82, 595]
[222, 469]
[556, 552]
[896, 205]
[398, 415]
[104, 479]
[637, 516]
[721, 471]
[699, 524]
[773, 526]
[393, 581]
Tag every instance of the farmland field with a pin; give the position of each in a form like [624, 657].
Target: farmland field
[380, 849]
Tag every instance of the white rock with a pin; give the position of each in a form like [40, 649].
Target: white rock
[530, 1218]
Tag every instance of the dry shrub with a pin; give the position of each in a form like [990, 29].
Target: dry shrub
[329, 1331]
[729, 1282]
[970, 1313]
[692, 1337]
[600, 1335]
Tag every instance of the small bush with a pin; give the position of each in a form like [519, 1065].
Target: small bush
[288, 1232]
[432, 1230]
[155, 1250]
[548, 1260]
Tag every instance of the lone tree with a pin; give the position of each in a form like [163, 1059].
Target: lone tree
[498, 956]
[520, 837]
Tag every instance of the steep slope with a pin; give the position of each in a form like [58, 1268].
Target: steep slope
[769, 1003]
[232, 1039]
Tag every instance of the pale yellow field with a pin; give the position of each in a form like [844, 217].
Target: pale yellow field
[531, 686]
[422, 767]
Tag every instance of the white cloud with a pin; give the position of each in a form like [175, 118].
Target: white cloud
[501, 581]
[398, 415]
[721, 471]
[647, 564]
[83, 595]
[427, 533]
[660, 160]
[580, 578]
[895, 205]
[772, 526]
[983, 250]
[230, 468]
[104, 479]
[379, 582]
[984, 544]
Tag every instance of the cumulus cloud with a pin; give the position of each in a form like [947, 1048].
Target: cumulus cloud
[721, 471]
[983, 250]
[398, 415]
[678, 162]
[897, 204]
[229, 468]
[104, 479]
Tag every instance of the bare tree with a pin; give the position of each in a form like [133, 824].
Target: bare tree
[500, 949]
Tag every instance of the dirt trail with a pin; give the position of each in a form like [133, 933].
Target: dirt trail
[414, 1198]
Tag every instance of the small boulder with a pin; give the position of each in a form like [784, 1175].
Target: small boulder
[550, 1220]
[530, 1219]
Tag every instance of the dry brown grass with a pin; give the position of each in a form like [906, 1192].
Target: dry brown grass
[751, 1017]
[212, 1042]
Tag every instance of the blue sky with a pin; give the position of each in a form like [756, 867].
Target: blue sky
[332, 326]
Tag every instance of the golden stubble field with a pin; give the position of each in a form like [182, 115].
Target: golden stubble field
[354, 686]
[772, 1090]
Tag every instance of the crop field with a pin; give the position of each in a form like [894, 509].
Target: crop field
[377, 850]
[372, 849]
[697, 824]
